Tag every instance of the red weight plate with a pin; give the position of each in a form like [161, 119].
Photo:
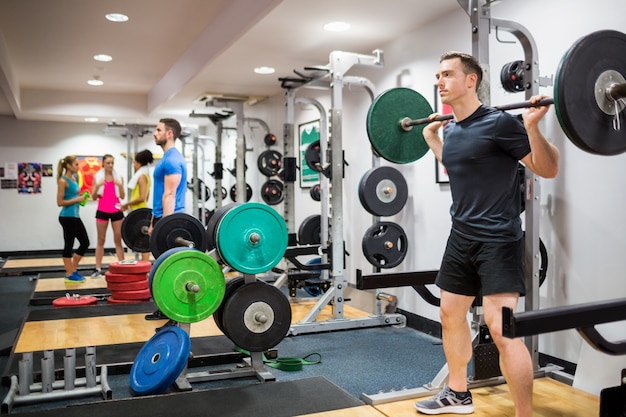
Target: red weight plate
[131, 295]
[130, 267]
[83, 300]
[112, 277]
[113, 300]
[128, 286]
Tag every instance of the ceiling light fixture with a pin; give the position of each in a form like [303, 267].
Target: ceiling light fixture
[95, 81]
[116, 17]
[337, 26]
[91, 119]
[264, 70]
[103, 57]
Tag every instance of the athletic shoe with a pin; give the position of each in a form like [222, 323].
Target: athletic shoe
[74, 278]
[447, 401]
[157, 315]
[97, 274]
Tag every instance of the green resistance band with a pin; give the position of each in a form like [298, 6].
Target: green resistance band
[288, 364]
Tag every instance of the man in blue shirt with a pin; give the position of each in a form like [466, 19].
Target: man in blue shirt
[485, 250]
[170, 181]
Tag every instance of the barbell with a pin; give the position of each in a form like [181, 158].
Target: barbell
[589, 92]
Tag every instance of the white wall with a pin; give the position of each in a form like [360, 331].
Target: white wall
[582, 221]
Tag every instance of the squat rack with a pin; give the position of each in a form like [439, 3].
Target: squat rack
[331, 76]
[481, 25]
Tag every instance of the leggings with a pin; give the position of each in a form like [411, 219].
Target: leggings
[73, 228]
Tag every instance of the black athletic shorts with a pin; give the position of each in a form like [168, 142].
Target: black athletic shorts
[101, 215]
[469, 266]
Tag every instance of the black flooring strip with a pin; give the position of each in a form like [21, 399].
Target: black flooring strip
[269, 399]
[91, 311]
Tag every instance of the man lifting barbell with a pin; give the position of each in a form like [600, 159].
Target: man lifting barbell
[485, 250]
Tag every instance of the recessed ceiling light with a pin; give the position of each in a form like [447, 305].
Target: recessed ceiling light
[91, 119]
[116, 17]
[95, 81]
[337, 26]
[264, 70]
[103, 57]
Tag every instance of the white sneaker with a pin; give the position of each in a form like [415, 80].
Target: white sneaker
[97, 274]
[447, 401]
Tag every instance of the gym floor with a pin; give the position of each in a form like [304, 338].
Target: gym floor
[354, 362]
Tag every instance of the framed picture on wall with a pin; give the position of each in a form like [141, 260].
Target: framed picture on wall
[308, 133]
[441, 175]
[87, 168]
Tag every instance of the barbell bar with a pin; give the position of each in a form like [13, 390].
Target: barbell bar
[589, 93]
[407, 124]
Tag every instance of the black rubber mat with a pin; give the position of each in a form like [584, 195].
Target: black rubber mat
[91, 311]
[269, 399]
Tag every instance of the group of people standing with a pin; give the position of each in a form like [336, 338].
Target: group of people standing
[108, 190]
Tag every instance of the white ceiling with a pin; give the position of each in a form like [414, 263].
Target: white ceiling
[171, 52]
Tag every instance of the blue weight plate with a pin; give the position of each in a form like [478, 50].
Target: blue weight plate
[160, 361]
[160, 260]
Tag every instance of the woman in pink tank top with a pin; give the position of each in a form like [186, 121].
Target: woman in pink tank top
[108, 190]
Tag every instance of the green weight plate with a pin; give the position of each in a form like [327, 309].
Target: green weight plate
[386, 135]
[581, 118]
[251, 238]
[174, 281]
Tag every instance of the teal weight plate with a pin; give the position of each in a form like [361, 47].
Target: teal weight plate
[251, 238]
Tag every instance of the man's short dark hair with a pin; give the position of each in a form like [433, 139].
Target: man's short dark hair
[173, 125]
[469, 64]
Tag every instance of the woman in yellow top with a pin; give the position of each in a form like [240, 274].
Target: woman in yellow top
[139, 186]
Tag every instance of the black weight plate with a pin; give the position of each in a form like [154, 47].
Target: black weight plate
[315, 192]
[269, 139]
[312, 156]
[383, 191]
[211, 227]
[233, 192]
[177, 225]
[256, 316]
[309, 232]
[270, 162]
[134, 230]
[224, 193]
[272, 192]
[582, 120]
[231, 286]
[385, 245]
